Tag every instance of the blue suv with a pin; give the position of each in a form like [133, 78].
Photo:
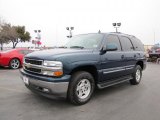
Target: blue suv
[88, 61]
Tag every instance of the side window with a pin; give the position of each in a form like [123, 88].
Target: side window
[137, 44]
[21, 51]
[25, 52]
[115, 40]
[126, 44]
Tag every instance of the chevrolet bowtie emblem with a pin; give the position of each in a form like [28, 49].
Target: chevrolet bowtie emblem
[28, 65]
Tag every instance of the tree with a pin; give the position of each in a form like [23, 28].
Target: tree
[3, 34]
[1, 40]
[14, 34]
[18, 34]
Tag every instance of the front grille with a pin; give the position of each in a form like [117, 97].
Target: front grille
[35, 70]
[32, 61]
[31, 65]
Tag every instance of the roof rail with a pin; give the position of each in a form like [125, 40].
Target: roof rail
[123, 34]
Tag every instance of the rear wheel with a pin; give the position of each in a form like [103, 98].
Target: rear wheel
[81, 88]
[14, 63]
[137, 75]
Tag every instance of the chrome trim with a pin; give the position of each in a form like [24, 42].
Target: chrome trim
[129, 68]
[129, 65]
[29, 65]
[33, 59]
[113, 71]
[116, 69]
[33, 71]
[41, 67]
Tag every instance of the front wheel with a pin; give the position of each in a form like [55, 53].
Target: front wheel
[14, 63]
[81, 88]
[137, 75]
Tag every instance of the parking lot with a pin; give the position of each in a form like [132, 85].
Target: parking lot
[120, 102]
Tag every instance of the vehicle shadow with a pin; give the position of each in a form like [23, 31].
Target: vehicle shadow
[63, 103]
[50, 103]
[110, 90]
[4, 68]
[7, 68]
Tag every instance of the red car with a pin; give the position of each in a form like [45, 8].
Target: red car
[13, 58]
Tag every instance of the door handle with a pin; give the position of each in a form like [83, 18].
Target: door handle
[135, 56]
[122, 56]
[138, 53]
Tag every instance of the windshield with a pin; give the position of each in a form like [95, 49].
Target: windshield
[85, 41]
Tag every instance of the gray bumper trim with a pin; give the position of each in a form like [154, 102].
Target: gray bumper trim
[56, 89]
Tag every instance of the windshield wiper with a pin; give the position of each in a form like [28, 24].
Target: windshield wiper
[81, 47]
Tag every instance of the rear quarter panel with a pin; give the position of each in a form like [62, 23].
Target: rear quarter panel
[7, 57]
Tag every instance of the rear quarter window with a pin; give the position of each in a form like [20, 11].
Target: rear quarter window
[25, 52]
[126, 43]
[138, 46]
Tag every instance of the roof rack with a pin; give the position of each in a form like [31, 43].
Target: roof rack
[123, 34]
[116, 32]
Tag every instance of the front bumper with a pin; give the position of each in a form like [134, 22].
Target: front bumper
[46, 86]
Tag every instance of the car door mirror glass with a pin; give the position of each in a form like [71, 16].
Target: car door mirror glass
[111, 47]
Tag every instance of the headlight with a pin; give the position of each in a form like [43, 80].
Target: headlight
[57, 68]
[52, 63]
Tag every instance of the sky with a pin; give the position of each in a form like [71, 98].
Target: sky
[140, 18]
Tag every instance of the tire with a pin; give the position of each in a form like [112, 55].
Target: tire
[137, 75]
[14, 63]
[81, 88]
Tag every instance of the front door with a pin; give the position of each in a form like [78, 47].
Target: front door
[112, 62]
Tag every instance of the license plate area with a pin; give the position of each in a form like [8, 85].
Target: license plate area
[26, 80]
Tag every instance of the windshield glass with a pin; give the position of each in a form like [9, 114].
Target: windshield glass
[85, 41]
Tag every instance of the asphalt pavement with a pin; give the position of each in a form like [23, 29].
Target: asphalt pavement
[119, 102]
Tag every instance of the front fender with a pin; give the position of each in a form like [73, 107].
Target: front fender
[69, 67]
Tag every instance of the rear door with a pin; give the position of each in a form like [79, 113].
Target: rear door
[112, 62]
[129, 52]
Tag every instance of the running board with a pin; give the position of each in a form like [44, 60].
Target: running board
[116, 81]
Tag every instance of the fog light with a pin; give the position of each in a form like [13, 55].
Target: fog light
[45, 90]
[50, 73]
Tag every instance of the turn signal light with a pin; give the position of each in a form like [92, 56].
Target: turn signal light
[58, 73]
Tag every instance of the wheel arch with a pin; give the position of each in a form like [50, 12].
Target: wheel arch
[88, 68]
[140, 63]
[15, 58]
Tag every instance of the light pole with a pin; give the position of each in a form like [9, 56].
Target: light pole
[70, 31]
[154, 37]
[38, 37]
[116, 25]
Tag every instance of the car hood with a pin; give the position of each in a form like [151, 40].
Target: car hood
[55, 53]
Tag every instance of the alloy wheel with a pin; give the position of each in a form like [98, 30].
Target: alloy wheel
[15, 64]
[83, 88]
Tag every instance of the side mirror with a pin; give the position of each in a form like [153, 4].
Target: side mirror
[109, 47]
